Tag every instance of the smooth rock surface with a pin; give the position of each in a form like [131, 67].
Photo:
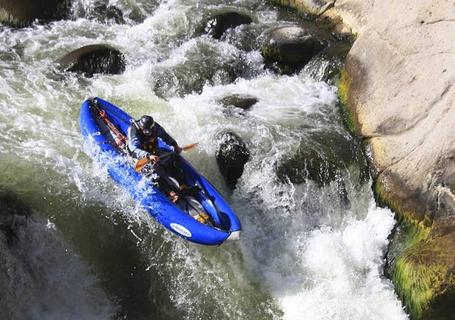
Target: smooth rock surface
[315, 7]
[22, 12]
[290, 46]
[92, 59]
[403, 93]
[217, 25]
[400, 77]
[242, 101]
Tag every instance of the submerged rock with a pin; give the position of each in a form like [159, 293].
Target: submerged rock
[114, 14]
[202, 64]
[104, 13]
[92, 59]
[290, 47]
[231, 156]
[217, 25]
[23, 12]
[322, 158]
[308, 163]
[242, 101]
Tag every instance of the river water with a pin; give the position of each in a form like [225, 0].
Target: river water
[82, 249]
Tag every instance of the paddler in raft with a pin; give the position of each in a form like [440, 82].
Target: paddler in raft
[142, 143]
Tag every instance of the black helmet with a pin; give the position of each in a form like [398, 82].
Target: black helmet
[146, 124]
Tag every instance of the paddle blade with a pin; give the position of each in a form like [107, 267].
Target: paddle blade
[190, 146]
[141, 163]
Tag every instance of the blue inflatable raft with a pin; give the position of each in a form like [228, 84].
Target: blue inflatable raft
[202, 216]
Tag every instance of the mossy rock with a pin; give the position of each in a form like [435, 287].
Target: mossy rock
[420, 259]
[343, 84]
[424, 272]
[93, 59]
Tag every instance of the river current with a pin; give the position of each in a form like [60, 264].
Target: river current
[85, 250]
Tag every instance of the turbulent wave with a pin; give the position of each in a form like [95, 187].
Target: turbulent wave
[308, 250]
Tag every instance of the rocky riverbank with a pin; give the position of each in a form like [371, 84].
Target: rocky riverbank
[398, 85]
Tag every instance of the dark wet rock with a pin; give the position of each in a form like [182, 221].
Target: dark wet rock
[217, 25]
[322, 157]
[242, 101]
[23, 12]
[247, 39]
[309, 164]
[290, 47]
[92, 59]
[326, 69]
[231, 156]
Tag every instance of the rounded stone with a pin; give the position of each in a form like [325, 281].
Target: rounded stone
[242, 101]
[231, 156]
[93, 59]
[23, 12]
[291, 46]
[217, 25]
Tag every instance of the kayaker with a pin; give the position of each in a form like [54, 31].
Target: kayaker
[142, 143]
[142, 139]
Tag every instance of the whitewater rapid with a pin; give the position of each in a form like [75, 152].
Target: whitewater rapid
[306, 251]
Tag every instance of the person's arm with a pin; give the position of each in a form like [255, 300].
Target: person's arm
[166, 137]
[134, 143]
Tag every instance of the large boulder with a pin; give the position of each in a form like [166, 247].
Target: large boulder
[398, 84]
[92, 59]
[217, 25]
[23, 12]
[290, 47]
[231, 156]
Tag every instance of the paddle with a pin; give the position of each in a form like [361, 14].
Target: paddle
[142, 162]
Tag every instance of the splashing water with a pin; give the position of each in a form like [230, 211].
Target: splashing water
[308, 251]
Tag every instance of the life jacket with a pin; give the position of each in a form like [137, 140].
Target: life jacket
[148, 142]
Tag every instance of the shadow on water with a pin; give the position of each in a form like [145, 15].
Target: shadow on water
[103, 237]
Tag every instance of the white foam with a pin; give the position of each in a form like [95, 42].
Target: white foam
[341, 272]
